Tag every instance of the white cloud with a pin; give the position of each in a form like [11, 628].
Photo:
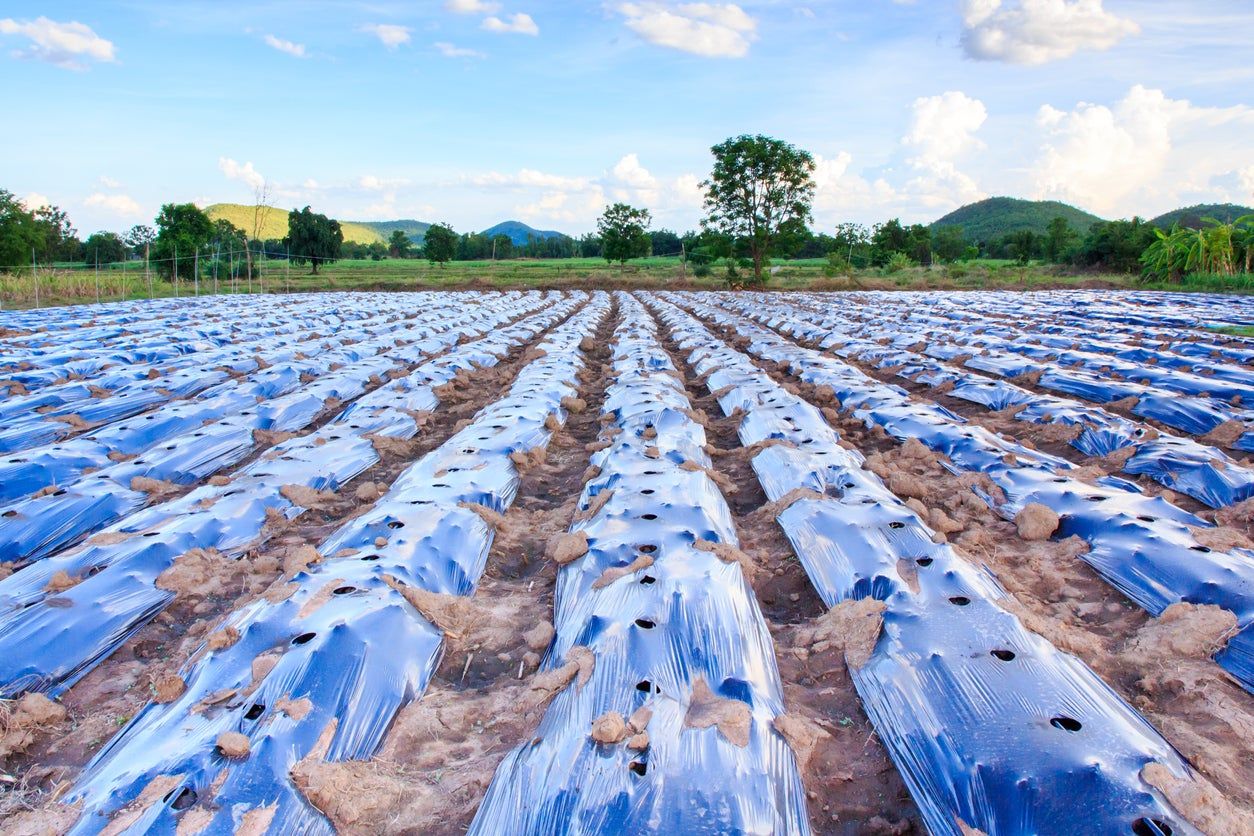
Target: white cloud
[109, 182]
[449, 50]
[711, 30]
[244, 173]
[472, 7]
[1246, 178]
[518, 24]
[118, 204]
[943, 130]
[943, 126]
[35, 200]
[563, 201]
[1039, 31]
[389, 34]
[372, 183]
[67, 45]
[1146, 154]
[294, 49]
[530, 178]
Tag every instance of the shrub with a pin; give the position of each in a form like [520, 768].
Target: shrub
[898, 262]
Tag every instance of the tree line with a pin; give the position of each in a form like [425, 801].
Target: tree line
[758, 207]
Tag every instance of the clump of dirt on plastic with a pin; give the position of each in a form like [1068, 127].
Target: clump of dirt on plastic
[707, 709]
[153, 487]
[308, 498]
[199, 573]
[438, 757]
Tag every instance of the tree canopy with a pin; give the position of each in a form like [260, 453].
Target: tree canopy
[624, 233]
[313, 238]
[760, 188]
[104, 248]
[182, 230]
[440, 244]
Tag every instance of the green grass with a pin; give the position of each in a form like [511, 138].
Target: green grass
[70, 284]
[1235, 330]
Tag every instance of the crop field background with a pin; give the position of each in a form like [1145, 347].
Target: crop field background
[76, 283]
[577, 560]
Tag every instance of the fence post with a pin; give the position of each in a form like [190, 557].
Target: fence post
[34, 276]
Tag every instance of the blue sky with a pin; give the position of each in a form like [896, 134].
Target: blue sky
[474, 111]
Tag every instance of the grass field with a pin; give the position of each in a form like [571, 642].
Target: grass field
[69, 284]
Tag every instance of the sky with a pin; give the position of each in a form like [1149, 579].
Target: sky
[476, 111]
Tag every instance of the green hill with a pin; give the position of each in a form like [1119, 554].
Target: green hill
[276, 223]
[996, 217]
[518, 232]
[416, 230]
[1191, 216]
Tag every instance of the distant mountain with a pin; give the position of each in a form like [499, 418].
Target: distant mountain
[275, 225]
[519, 231]
[416, 230]
[996, 217]
[1191, 216]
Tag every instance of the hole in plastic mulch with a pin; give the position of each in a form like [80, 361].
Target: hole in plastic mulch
[181, 799]
[648, 579]
[648, 516]
[638, 767]
[1004, 655]
[924, 561]
[960, 600]
[1151, 827]
[304, 638]
[1066, 724]
[645, 624]
[255, 711]
[396, 524]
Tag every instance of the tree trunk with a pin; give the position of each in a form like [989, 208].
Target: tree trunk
[757, 264]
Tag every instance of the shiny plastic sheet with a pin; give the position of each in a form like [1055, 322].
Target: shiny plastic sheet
[655, 634]
[358, 654]
[992, 727]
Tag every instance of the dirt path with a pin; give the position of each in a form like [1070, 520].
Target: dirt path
[852, 787]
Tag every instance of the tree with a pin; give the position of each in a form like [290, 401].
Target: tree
[664, 242]
[104, 248]
[440, 244]
[19, 232]
[60, 242]
[949, 243]
[887, 239]
[760, 188]
[313, 238]
[1023, 245]
[139, 238]
[377, 251]
[1058, 239]
[501, 246]
[182, 229]
[399, 245]
[624, 233]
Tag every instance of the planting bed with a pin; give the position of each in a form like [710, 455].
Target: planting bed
[577, 562]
